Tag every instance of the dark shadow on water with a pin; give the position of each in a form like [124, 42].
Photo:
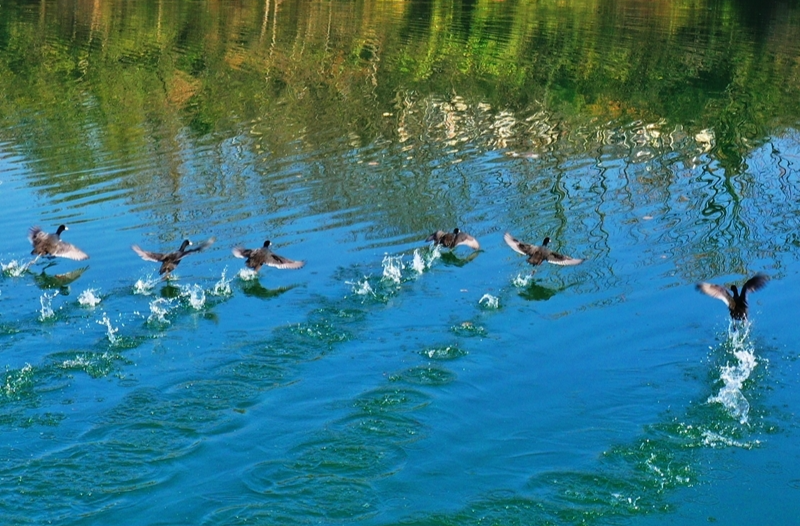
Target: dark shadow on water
[170, 291]
[536, 292]
[451, 259]
[255, 289]
[61, 281]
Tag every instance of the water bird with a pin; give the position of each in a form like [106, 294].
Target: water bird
[736, 302]
[539, 254]
[51, 245]
[452, 239]
[171, 260]
[258, 257]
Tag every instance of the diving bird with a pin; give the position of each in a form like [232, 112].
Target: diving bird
[257, 257]
[737, 302]
[452, 239]
[51, 245]
[538, 254]
[171, 260]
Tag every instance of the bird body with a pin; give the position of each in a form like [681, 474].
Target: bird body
[452, 239]
[51, 245]
[257, 257]
[170, 260]
[539, 254]
[735, 300]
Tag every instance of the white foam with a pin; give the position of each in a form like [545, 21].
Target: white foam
[145, 285]
[89, 298]
[489, 301]
[14, 268]
[159, 308]
[247, 274]
[522, 280]
[362, 288]
[418, 264]
[195, 295]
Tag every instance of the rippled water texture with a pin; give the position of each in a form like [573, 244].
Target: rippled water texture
[389, 381]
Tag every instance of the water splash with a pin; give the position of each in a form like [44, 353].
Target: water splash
[522, 280]
[362, 288]
[89, 298]
[194, 295]
[424, 259]
[14, 268]
[159, 308]
[223, 286]
[247, 274]
[418, 264]
[145, 285]
[111, 332]
[46, 311]
[393, 268]
[733, 375]
[489, 301]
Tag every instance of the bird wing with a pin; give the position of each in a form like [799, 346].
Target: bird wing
[156, 257]
[518, 246]
[35, 233]
[241, 252]
[274, 260]
[436, 236]
[560, 259]
[715, 291]
[755, 283]
[202, 246]
[465, 239]
[69, 251]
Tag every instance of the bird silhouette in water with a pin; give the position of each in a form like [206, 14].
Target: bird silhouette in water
[258, 257]
[539, 254]
[51, 245]
[170, 260]
[452, 239]
[735, 300]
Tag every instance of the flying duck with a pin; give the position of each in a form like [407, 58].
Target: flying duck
[452, 239]
[171, 260]
[257, 257]
[51, 245]
[538, 254]
[737, 303]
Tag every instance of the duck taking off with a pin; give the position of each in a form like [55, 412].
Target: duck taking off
[736, 302]
[171, 260]
[452, 239]
[258, 257]
[539, 254]
[51, 245]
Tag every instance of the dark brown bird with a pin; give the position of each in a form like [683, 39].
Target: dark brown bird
[51, 245]
[538, 254]
[452, 239]
[736, 302]
[171, 260]
[257, 257]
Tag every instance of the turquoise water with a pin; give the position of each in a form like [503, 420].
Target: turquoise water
[388, 382]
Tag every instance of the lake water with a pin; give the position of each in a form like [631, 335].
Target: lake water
[388, 382]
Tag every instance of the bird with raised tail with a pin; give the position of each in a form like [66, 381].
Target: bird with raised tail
[258, 257]
[735, 300]
[170, 260]
[51, 245]
[538, 254]
[452, 239]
